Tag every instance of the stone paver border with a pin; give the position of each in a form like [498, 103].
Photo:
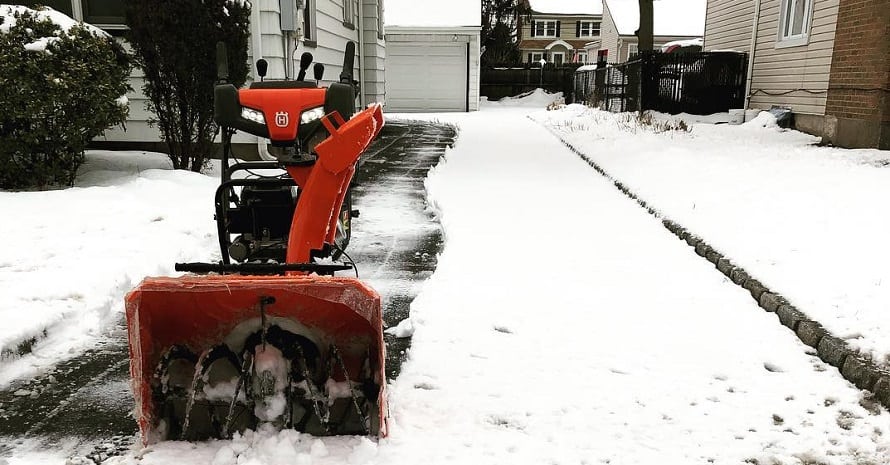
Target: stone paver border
[856, 368]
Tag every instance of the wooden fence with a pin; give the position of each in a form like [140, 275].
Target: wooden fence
[498, 82]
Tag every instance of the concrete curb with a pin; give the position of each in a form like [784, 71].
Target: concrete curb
[856, 368]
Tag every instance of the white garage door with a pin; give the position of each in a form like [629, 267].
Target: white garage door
[427, 77]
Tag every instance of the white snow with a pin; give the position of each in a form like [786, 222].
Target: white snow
[670, 17]
[65, 23]
[563, 323]
[803, 219]
[452, 13]
[77, 251]
[269, 362]
[565, 7]
[698, 41]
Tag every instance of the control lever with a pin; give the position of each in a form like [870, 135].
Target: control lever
[305, 61]
[318, 71]
[261, 67]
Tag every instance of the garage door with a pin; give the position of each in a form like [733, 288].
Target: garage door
[426, 77]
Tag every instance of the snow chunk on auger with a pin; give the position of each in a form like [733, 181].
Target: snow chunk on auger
[268, 336]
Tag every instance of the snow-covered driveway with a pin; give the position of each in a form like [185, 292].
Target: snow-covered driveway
[565, 325]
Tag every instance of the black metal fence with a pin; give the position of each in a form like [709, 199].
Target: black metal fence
[498, 82]
[698, 83]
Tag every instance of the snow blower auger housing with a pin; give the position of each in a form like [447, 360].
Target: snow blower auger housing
[269, 335]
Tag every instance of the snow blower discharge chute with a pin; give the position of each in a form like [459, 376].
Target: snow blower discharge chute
[269, 335]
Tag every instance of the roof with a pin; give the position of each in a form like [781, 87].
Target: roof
[671, 17]
[567, 7]
[436, 13]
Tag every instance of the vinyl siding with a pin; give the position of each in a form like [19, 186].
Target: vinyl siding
[375, 53]
[609, 36]
[800, 74]
[728, 25]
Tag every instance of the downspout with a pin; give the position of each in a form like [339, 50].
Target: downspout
[256, 42]
[361, 54]
[750, 76]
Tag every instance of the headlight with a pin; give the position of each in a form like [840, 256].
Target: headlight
[253, 115]
[311, 115]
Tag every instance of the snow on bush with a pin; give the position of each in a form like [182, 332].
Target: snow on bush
[62, 83]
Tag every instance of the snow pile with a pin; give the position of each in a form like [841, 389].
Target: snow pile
[79, 250]
[538, 98]
[802, 219]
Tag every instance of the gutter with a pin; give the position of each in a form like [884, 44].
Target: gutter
[750, 77]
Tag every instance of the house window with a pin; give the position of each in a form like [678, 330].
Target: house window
[794, 24]
[309, 29]
[588, 28]
[582, 57]
[535, 57]
[544, 29]
[350, 11]
[107, 14]
[632, 49]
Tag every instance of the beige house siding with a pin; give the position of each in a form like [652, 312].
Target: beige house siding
[566, 26]
[728, 25]
[794, 77]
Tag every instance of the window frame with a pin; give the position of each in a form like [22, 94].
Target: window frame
[544, 29]
[590, 28]
[538, 55]
[309, 30]
[78, 13]
[785, 36]
[633, 48]
[582, 56]
[350, 10]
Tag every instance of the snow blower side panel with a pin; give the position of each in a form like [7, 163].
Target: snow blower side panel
[338, 320]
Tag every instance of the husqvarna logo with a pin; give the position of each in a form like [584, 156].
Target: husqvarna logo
[281, 119]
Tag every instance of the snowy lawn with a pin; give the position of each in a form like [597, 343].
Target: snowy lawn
[563, 324]
[70, 255]
[809, 222]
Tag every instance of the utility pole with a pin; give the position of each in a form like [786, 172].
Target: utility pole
[644, 33]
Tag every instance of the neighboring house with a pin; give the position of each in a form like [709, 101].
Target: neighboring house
[828, 61]
[432, 55]
[672, 20]
[558, 30]
[275, 26]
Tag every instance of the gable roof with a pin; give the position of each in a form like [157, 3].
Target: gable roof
[432, 13]
[566, 7]
[671, 17]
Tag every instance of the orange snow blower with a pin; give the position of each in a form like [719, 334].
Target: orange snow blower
[269, 335]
